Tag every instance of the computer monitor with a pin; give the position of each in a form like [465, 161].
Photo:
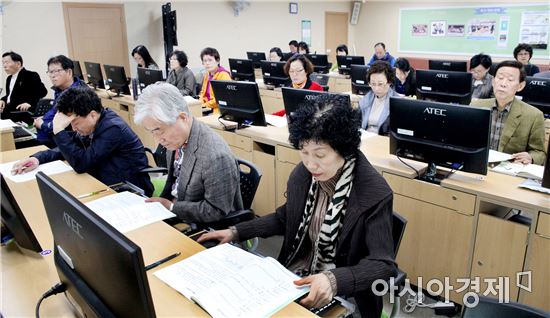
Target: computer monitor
[95, 77]
[77, 71]
[359, 85]
[444, 86]
[442, 65]
[451, 136]
[287, 56]
[102, 269]
[242, 70]
[320, 62]
[274, 73]
[294, 98]
[537, 93]
[147, 77]
[240, 102]
[256, 58]
[345, 62]
[116, 79]
[14, 219]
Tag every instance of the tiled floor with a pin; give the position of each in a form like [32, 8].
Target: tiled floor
[271, 247]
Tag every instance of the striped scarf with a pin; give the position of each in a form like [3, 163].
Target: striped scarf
[325, 245]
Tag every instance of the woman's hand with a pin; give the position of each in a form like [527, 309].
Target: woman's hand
[224, 236]
[320, 292]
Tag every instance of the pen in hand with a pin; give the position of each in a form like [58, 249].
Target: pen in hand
[162, 261]
[23, 168]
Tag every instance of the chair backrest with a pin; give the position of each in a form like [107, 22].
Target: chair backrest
[43, 106]
[490, 307]
[160, 156]
[249, 181]
[399, 224]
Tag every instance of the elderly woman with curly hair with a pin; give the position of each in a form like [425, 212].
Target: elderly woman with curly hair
[337, 221]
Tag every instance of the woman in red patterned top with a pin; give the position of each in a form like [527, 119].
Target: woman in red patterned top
[298, 67]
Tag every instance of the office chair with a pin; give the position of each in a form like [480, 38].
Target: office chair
[399, 224]
[490, 307]
[249, 182]
[43, 106]
[320, 79]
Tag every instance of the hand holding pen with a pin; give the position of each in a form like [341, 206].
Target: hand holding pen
[24, 165]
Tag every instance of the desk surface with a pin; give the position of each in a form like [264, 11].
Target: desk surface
[494, 186]
[27, 275]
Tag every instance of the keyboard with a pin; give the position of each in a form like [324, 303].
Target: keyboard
[20, 132]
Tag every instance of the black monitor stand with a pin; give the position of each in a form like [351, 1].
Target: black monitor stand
[433, 175]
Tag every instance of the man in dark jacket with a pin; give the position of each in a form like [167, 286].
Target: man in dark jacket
[101, 143]
[60, 70]
[23, 88]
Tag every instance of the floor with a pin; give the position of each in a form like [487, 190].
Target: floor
[272, 245]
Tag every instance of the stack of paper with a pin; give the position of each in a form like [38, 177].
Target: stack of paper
[229, 282]
[49, 169]
[529, 171]
[127, 211]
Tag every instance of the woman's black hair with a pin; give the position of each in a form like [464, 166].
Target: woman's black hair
[212, 52]
[303, 45]
[481, 59]
[523, 46]
[306, 63]
[277, 50]
[182, 58]
[403, 64]
[381, 67]
[144, 53]
[342, 48]
[329, 119]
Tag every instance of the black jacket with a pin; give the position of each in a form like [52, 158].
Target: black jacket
[364, 251]
[28, 88]
[114, 153]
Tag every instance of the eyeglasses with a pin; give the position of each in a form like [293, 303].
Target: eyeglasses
[295, 71]
[54, 72]
[173, 59]
[378, 84]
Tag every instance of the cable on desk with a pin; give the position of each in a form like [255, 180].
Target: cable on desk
[58, 288]
[406, 164]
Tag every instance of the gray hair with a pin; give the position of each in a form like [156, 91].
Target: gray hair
[162, 102]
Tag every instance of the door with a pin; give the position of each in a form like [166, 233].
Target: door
[97, 33]
[336, 32]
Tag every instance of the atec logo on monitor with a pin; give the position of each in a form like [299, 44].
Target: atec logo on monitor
[442, 75]
[310, 97]
[538, 83]
[232, 87]
[434, 111]
[72, 224]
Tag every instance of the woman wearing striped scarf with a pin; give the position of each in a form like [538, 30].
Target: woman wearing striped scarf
[337, 221]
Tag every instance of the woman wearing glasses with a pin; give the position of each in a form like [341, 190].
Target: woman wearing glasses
[298, 68]
[375, 106]
[337, 220]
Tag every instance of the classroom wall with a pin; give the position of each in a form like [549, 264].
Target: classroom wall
[36, 42]
[259, 26]
[379, 22]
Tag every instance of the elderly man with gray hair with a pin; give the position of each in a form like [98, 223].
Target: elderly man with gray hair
[203, 177]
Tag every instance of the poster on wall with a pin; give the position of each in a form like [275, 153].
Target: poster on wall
[481, 29]
[306, 31]
[438, 28]
[503, 31]
[456, 30]
[534, 29]
[419, 30]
